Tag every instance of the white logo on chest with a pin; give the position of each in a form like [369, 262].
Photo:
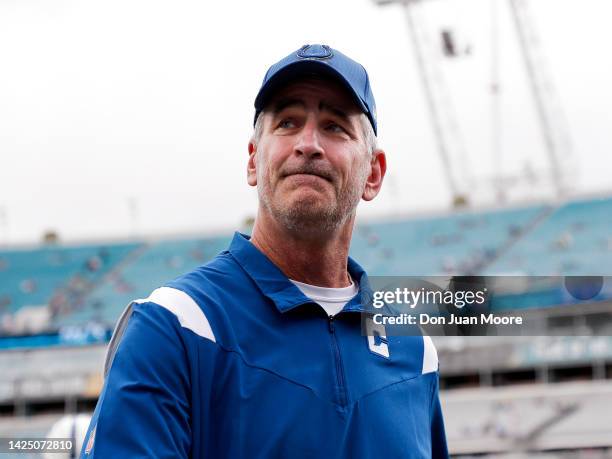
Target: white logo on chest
[377, 338]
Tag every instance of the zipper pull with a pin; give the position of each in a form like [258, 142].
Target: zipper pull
[331, 324]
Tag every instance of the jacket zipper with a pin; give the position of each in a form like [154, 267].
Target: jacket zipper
[338, 361]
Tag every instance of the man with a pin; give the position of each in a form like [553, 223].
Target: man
[259, 353]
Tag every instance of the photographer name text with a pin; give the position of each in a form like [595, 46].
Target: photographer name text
[453, 319]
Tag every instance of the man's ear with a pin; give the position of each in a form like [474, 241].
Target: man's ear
[378, 168]
[251, 165]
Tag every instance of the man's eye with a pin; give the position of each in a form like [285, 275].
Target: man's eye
[333, 127]
[286, 124]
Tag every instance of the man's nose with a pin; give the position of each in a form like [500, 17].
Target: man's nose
[309, 142]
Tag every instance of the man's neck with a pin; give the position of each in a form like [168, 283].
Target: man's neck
[313, 260]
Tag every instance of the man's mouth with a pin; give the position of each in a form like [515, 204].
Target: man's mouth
[307, 175]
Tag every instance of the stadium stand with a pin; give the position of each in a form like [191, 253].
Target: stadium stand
[529, 418]
[152, 266]
[63, 289]
[445, 245]
[38, 286]
[575, 240]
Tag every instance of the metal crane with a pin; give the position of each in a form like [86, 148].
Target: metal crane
[552, 120]
[448, 138]
[450, 144]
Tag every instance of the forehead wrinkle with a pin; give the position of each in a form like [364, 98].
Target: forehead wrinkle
[285, 102]
[330, 107]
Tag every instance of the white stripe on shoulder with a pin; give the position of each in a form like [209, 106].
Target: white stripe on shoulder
[430, 355]
[184, 308]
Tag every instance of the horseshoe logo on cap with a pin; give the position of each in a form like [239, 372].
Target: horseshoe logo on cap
[315, 52]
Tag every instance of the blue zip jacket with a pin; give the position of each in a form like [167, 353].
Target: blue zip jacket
[233, 361]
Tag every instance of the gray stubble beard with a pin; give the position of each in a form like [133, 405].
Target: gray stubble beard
[298, 220]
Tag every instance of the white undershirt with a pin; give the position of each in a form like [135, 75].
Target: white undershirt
[332, 300]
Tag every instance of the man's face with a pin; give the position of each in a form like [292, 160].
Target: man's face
[311, 161]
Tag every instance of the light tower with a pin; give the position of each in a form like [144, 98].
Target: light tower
[449, 142]
[552, 120]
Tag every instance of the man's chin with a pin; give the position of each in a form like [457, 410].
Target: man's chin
[310, 211]
[308, 216]
[309, 200]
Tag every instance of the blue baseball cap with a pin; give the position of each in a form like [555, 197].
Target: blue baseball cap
[319, 60]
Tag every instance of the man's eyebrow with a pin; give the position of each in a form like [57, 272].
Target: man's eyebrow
[282, 104]
[336, 110]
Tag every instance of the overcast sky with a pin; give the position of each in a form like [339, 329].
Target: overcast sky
[103, 104]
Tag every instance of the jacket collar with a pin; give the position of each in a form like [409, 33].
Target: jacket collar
[278, 288]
